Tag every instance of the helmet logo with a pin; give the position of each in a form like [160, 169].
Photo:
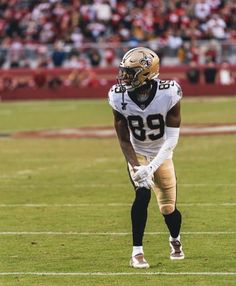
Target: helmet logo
[146, 61]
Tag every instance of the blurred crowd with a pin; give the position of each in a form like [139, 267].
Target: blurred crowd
[87, 77]
[210, 73]
[83, 33]
[41, 78]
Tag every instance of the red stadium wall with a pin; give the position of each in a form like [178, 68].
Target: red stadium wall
[105, 78]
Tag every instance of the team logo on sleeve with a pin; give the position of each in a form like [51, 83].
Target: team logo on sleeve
[179, 90]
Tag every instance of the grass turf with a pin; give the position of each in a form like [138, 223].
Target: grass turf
[91, 175]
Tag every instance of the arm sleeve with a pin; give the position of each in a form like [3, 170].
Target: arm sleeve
[172, 136]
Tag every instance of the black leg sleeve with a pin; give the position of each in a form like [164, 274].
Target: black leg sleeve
[139, 214]
[173, 222]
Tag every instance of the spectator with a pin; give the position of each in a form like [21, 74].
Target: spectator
[211, 54]
[103, 11]
[109, 56]
[58, 55]
[202, 9]
[225, 74]
[74, 61]
[2, 60]
[55, 82]
[174, 41]
[192, 53]
[40, 78]
[22, 83]
[210, 72]
[94, 57]
[82, 77]
[193, 73]
[216, 27]
[14, 63]
[8, 83]
[77, 37]
[43, 59]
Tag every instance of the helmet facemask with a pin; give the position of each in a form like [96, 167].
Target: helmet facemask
[129, 77]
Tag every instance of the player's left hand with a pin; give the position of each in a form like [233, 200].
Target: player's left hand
[143, 172]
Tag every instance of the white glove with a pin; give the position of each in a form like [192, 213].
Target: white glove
[146, 183]
[143, 172]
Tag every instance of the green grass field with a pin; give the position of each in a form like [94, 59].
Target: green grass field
[65, 203]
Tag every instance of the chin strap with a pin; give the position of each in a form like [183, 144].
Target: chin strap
[122, 89]
[123, 103]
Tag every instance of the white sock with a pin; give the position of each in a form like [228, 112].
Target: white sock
[174, 239]
[137, 250]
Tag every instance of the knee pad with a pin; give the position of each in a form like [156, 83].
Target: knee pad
[166, 209]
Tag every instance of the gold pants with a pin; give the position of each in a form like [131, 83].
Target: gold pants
[164, 184]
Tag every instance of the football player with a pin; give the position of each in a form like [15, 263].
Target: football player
[147, 122]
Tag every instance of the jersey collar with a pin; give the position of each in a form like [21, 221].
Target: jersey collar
[143, 105]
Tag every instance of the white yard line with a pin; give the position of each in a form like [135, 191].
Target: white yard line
[207, 185]
[117, 273]
[111, 233]
[207, 204]
[127, 185]
[64, 205]
[81, 205]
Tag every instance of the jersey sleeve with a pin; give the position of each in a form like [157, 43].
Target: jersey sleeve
[111, 99]
[114, 96]
[176, 94]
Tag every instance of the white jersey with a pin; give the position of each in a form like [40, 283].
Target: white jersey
[146, 121]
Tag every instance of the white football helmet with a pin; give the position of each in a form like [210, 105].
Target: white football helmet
[138, 66]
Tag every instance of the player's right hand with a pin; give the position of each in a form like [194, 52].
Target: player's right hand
[143, 172]
[145, 183]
